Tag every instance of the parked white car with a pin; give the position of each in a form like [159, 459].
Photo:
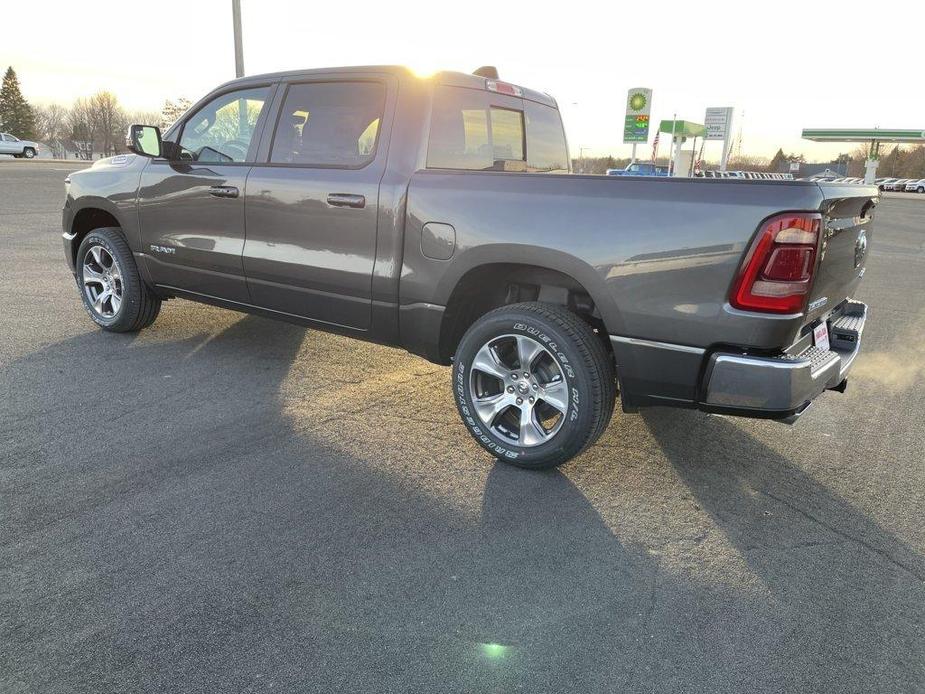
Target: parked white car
[916, 186]
[884, 183]
[10, 144]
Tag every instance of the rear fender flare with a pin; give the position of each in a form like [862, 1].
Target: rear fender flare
[510, 253]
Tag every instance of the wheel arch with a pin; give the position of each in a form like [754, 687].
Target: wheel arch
[490, 279]
[92, 214]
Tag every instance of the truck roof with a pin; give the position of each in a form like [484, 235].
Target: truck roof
[446, 77]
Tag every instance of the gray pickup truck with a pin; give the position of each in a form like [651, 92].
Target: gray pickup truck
[439, 215]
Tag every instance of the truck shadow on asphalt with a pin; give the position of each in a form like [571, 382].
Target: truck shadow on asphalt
[182, 531]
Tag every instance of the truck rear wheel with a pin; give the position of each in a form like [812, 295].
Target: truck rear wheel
[111, 288]
[533, 384]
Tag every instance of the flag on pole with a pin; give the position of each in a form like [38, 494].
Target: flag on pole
[655, 148]
[698, 166]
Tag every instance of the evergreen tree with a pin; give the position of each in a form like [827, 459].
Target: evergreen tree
[778, 162]
[16, 116]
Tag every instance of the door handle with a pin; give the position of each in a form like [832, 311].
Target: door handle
[223, 191]
[346, 200]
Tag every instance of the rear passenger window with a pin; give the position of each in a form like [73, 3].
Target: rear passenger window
[467, 132]
[329, 124]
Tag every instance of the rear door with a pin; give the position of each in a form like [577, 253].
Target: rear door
[312, 205]
[191, 204]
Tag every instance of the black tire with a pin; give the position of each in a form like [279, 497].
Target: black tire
[584, 365]
[28, 153]
[139, 306]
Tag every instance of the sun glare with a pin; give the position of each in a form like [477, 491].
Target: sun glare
[424, 70]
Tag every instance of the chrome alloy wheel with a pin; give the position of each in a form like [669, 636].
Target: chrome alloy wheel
[518, 390]
[102, 281]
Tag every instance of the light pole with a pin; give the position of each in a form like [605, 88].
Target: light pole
[581, 150]
[581, 158]
[238, 47]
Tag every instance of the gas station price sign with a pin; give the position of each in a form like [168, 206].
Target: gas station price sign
[638, 108]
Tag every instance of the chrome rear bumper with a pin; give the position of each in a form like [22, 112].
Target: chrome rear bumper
[785, 386]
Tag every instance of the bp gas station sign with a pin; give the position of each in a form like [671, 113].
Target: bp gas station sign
[638, 108]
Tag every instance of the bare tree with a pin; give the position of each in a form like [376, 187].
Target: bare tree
[748, 163]
[172, 111]
[51, 123]
[144, 117]
[108, 120]
[82, 127]
[98, 123]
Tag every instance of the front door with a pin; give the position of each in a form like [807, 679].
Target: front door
[311, 209]
[191, 203]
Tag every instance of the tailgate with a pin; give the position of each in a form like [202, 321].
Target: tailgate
[847, 225]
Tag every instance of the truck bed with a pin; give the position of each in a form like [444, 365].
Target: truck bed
[657, 256]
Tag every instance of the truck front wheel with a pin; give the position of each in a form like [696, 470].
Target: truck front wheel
[113, 292]
[533, 384]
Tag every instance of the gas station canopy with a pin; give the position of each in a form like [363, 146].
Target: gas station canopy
[874, 137]
[682, 128]
[860, 135]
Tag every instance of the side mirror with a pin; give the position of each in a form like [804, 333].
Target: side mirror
[144, 140]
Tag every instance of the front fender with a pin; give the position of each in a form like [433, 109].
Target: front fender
[111, 187]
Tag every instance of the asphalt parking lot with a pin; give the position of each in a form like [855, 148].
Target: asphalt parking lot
[222, 503]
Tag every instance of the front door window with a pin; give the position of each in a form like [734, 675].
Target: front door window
[222, 131]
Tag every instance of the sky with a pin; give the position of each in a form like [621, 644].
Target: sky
[782, 65]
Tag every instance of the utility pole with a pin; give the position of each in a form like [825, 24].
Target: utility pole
[238, 47]
[581, 159]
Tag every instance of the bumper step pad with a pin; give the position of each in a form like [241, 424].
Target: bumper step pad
[818, 358]
[847, 328]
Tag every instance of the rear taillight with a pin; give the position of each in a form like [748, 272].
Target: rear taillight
[778, 269]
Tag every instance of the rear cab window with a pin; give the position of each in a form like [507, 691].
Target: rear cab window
[478, 130]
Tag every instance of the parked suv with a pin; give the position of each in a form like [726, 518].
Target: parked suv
[437, 215]
[884, 183]
[10, 144]
[915, 186]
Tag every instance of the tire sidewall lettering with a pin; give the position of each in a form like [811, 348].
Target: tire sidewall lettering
[95, 239]
[462, 398]
[548, 342]
[461, 371]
